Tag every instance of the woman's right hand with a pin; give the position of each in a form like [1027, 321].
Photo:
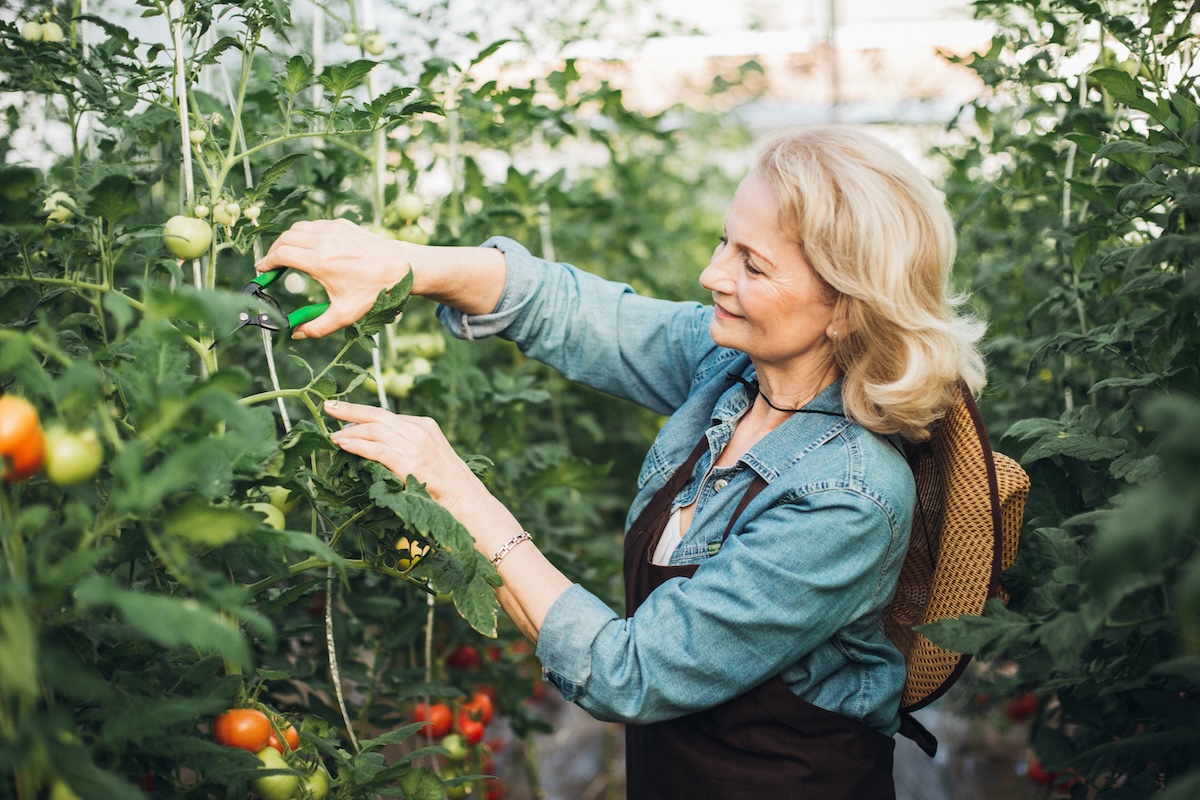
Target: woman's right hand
[353, 265]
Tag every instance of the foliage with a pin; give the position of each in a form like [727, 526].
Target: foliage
[1076, 187]
[139, 604]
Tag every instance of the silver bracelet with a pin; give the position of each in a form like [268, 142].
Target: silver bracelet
[523, 536]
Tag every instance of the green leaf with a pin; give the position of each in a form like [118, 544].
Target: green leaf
[1123, 89]
[272, 174]
[114, 198]
[1076, 445]
[421, 784]
[297, 75]
[388, 305]
[985, 636]
[341, 78]
[168, 621]
[209, 525]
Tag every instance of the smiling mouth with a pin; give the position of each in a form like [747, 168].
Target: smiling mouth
[723, 312]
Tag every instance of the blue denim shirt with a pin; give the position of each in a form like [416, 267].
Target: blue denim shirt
[798, 587]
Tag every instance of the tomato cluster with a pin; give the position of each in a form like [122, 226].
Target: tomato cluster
[69, 457]
[251, 729]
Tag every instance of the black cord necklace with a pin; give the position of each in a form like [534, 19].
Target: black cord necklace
[756, 390]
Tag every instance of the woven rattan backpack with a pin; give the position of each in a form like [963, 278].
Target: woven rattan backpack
[970, 506]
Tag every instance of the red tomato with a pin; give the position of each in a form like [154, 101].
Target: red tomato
[480, 707]
[471, 729]
[464, 657]
[291, 736]
[247, 728]
[439, 716]
[1037, 775]
[22, 443]
[1021, 708]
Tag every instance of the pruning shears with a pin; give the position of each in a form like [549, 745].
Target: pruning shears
[257, 288]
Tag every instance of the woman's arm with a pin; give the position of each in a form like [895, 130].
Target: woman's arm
[416, 446]
[354, 265]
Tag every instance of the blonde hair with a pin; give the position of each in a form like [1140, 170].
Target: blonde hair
[878, 233]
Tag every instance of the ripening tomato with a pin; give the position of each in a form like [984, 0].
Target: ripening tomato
[291, 736]
[471, 729]
[438, 715]
[247, 728]
[1038, 775]
[464, 657]
[1021, 708]
[22, 442]
[480, 707]
[409, 206]
[374, 43]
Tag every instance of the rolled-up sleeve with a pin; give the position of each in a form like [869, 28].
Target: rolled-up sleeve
[599, 333]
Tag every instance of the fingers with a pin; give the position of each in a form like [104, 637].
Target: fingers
[355, 412]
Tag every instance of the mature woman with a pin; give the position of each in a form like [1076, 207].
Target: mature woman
[774, 508]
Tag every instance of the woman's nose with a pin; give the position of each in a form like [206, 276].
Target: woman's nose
[717, 277]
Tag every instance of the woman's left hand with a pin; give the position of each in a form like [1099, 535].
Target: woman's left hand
[408, 445]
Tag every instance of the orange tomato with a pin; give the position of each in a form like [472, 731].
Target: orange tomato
[247, 728]
[290, 735]
[22, 443]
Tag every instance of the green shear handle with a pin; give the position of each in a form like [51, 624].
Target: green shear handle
[296, 318]
[258, 289]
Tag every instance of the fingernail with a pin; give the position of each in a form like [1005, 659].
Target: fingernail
[299, 335]
[331, 403]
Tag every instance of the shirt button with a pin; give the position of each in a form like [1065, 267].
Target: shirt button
[719, 484]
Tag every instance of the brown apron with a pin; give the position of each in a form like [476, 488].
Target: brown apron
[766, 743]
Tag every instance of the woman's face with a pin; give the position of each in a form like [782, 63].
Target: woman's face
[770, 304]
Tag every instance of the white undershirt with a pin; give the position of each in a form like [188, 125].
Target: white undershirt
[672, 535]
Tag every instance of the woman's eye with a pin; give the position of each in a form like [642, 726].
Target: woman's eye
[750, 268]
[722, 242]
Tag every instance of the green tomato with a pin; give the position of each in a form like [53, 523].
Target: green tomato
[350, 38]
[275, 787]
[409, 206]
[51, 32]
[196, 136]
[281, 497]
[72, 458]
[187, 237]
[456, 747]
[32, 31]
[374, 44]
[58, 205]
[200, 211]
[226, 213]
[413, 233]
[272, 516]
[316, 784]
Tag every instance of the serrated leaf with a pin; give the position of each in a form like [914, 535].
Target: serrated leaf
[272, 174]
[297, 75]
[985, 636]
[1075, 445]
[392, 737]
[1123, 89]
[341, 78]
[388, 305]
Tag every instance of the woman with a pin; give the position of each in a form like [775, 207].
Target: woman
[774, 507]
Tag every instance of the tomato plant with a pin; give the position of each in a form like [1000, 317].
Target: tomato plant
[148, 595]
